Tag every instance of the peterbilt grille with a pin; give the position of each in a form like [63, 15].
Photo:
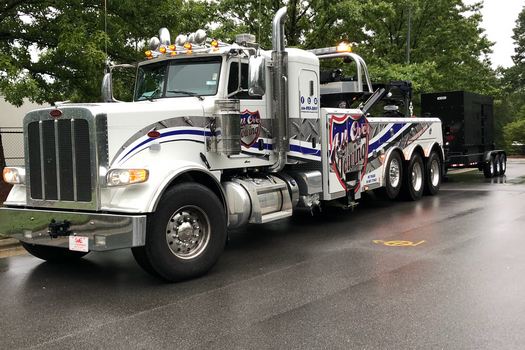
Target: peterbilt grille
[60, 160]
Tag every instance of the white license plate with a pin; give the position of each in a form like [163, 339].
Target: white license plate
[79, 243]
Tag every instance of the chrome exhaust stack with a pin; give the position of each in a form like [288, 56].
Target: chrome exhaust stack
[280, 90]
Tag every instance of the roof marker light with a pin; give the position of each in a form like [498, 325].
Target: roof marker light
[344, 47]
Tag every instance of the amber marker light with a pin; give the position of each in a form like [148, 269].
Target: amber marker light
[148, 54]
[162, 49]
[214, 43]
[344, 47]
[187, 45]
[172, 47]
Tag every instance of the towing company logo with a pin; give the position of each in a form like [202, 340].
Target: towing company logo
[250, 127]
[349, 136]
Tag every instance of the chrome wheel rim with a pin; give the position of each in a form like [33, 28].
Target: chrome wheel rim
[188, 232]
[491, 167]
[393, 173]
[434, 173]
[503, 163]
[417, 176]
[497, 166]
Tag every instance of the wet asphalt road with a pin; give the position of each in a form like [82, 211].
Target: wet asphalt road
[326, 282]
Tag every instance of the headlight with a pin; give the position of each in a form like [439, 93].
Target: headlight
[121, 177]
[14, 175]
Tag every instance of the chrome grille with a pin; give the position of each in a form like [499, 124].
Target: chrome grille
[59, 157]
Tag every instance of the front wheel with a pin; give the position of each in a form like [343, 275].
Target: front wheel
[52, 254]
[186, 235]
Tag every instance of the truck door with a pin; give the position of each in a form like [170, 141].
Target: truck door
[255, 127]
[309, 112]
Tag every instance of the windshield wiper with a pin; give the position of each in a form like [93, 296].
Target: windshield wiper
[189, 93]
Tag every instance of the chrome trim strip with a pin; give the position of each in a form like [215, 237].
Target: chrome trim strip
[74, 159]
[42, 175]
[59, 195]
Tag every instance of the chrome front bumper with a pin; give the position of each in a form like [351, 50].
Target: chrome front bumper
[104, 231]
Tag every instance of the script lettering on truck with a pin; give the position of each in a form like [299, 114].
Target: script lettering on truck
[250, 127]
[349, 135]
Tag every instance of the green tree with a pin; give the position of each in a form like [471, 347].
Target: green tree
[511, 100]
[70, 39]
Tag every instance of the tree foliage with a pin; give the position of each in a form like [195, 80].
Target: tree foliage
[70, 39]
[448, 50]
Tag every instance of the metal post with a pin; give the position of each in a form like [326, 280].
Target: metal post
[408, 32]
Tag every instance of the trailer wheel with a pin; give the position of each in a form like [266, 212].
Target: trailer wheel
[489, 168]
[186, 235]
[414, 182]
[393, 177]
[497, 165]
[52, 254]
[433, 174]
[503, 163]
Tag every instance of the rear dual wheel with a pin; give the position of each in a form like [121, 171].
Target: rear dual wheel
[414, 180]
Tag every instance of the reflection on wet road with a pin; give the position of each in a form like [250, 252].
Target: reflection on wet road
[444, 272]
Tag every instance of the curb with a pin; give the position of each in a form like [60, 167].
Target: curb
[8, 243]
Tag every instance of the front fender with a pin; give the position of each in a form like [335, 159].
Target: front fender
[144, 197]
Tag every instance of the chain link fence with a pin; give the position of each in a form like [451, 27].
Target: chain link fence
[13, 144]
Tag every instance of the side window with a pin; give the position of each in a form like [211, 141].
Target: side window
[233, 81]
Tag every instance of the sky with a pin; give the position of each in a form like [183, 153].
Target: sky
[499, 19]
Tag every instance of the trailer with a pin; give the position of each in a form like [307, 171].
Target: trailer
[219, 135]
[468, 129]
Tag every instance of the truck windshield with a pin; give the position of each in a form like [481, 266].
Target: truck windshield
[178, 78]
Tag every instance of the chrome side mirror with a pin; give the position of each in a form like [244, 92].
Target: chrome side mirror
[107, 88]
[256, 76]
[107, 82]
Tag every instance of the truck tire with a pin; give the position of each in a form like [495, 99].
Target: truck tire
[186, 235]
[489, 168]
[414, 181]
[393, 177]
[52, 254]
[503, 163]
[497, 165]
[433, 174]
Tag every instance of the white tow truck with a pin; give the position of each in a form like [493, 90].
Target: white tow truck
[218, 136]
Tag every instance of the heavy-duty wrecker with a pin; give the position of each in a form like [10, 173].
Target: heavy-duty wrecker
[218, 136]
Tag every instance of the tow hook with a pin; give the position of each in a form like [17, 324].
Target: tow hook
[59, 228]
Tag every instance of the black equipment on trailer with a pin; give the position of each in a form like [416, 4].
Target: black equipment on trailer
[468, 130]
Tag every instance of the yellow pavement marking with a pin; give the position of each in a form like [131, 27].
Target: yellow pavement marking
[398, 243]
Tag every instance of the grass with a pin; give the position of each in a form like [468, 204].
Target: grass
[19, 221]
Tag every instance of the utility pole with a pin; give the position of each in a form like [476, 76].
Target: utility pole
[409, 31]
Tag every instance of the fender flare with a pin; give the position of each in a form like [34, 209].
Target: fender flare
[388, 154]
[188, 170]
